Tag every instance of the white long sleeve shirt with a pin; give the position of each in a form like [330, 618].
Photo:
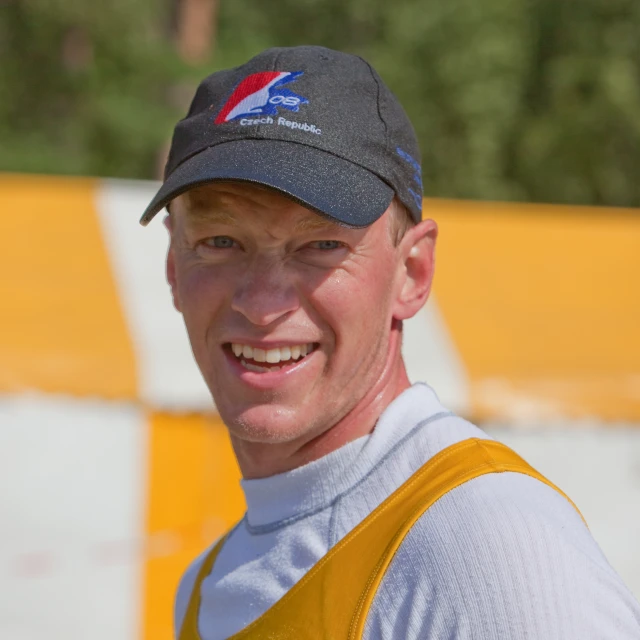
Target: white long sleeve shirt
[503, 556]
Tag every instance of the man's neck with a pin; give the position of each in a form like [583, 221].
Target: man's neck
[263, 460]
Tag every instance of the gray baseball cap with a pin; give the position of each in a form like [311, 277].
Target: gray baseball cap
[317, 125]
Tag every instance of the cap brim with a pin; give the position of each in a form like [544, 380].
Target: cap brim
[316, 179]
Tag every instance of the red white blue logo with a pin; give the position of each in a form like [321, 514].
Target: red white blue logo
[261, 94]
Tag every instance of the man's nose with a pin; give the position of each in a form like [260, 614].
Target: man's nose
[265, 294]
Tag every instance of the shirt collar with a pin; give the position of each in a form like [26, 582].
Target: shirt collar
[315, 486]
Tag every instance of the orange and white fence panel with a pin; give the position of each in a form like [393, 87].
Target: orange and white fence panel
[115, 470]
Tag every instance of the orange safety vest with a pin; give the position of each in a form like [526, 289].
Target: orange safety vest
[332, 599]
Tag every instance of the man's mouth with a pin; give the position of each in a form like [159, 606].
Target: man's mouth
[265, 360]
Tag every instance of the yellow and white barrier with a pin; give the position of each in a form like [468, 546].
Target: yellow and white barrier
[543, 304]
[536, 308]
[115, 468]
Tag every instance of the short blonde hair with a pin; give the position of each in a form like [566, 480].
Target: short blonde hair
[400, 221]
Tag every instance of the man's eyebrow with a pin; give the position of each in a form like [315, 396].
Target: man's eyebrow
[315, 223]
[199, 215]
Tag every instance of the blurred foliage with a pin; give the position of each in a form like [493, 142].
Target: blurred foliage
[511, 99]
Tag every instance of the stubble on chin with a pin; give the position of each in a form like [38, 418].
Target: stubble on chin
[266, 422]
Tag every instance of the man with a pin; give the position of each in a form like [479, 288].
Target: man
[297, 250]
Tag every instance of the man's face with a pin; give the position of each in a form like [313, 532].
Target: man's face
[260, 281]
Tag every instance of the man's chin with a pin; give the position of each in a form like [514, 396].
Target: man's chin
[264, 424]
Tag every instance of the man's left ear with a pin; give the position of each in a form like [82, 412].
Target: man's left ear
[417, 255]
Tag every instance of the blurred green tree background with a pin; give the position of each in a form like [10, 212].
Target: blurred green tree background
[534, 100]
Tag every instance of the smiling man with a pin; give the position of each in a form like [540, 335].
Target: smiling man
[297, 250]
[274, 297]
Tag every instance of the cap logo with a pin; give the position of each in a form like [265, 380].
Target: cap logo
[261, 94]
[417, 178]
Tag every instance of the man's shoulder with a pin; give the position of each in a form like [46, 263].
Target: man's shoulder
[493, 554]
[508, 519]
[499, 509]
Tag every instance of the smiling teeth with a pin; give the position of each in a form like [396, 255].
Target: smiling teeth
[272, 356]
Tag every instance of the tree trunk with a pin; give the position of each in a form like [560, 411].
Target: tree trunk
[196, 29]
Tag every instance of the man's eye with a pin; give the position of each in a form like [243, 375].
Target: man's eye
[220, 242]
[326, 245]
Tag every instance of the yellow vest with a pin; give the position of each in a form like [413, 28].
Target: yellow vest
[332, 599]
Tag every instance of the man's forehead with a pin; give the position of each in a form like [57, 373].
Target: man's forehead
[232, 203]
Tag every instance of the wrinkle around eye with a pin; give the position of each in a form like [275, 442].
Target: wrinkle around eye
[329, 257]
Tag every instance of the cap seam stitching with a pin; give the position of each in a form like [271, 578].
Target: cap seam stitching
[379, 93]
[277, 59]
